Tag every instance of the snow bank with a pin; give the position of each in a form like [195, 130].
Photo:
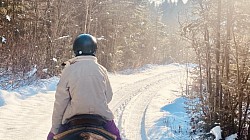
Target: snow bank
[42, 86]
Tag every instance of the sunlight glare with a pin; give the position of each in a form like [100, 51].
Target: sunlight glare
[160, 1]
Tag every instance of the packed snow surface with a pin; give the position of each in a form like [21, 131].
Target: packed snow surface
[147, 104]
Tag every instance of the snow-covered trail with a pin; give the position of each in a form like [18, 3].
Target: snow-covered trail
[31, 118]
[138, 96]
[131, 100]
[27, 119]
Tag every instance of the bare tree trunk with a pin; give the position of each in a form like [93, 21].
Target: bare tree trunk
[240, 96]
[49, 46]
[246, 107]
[229, 27]
[155, 39]
[218, 94]
[90, 8]
[227, 97]
[208, 72]
[248, 135]
[86, 16]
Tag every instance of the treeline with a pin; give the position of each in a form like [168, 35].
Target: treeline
[218, 31]
[37, 35]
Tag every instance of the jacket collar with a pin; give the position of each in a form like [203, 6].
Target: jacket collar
[79, 58]
[88, 57]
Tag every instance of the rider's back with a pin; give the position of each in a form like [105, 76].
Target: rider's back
[88, 87]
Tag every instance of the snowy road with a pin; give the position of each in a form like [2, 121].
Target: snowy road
[134, 103]
[30, 118]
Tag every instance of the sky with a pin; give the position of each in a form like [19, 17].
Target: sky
[147, 104]
[185, 1]
[160, 1]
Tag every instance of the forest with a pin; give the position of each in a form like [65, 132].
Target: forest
[36, 37]
[40, 33]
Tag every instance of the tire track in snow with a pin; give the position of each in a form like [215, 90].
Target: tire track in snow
[134, 99]
[134, 114]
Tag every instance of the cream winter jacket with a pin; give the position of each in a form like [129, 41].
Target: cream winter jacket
[84, 88]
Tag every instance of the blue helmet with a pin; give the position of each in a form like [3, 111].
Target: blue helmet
[85, 44]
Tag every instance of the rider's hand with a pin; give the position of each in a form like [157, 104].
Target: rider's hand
[50, 136]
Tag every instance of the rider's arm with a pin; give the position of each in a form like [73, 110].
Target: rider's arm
[62, 98]
[109, 92]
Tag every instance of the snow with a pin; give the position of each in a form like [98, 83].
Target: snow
[231, 137]
[216, 131]
[100, 38]
[32, 72]
[147, 104]
[45, 70]
[4, 40]
[62, 37]
[172, 122]
[54, 59]
[8, 17]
